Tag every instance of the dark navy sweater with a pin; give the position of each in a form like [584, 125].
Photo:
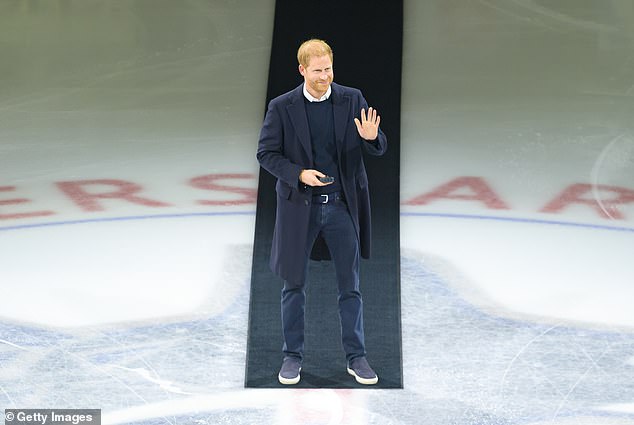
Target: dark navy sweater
[322, 136]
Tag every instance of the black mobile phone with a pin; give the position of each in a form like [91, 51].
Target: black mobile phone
[326, 179]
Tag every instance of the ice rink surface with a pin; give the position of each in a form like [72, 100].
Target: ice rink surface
[127, 197]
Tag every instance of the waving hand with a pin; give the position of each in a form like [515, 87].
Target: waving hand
[368, 128]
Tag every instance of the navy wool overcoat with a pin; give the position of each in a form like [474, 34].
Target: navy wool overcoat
[284, 150]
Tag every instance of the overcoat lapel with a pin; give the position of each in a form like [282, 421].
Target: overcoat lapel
[297, 114]
[341, 107]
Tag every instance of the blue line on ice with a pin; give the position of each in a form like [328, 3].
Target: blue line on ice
[518, 220]
[403, 214]
[123, 218]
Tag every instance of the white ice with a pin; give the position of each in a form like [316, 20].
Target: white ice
[139, 307]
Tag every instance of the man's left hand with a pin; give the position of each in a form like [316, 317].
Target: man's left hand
[368, 128]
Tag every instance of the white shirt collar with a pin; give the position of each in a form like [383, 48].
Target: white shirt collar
[314, 99]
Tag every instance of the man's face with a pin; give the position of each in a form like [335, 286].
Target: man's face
[318, 75]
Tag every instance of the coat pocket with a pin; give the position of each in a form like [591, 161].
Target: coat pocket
[362, 181]
[283, 191]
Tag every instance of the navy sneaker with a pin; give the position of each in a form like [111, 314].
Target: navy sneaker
[289, 372]
[362, 372]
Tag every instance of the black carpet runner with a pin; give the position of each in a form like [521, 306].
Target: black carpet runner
[366, 38]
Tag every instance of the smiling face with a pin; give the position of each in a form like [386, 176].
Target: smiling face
[318, 75]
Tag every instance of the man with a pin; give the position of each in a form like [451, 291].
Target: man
[312, 140]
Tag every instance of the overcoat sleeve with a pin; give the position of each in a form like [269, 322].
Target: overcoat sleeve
[270, 152]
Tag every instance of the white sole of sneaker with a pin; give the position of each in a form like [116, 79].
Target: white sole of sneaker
[288, 381]
[364, 381]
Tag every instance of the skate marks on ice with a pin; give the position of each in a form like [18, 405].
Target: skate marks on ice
[516, 370]
[462, 366]
[129, 363]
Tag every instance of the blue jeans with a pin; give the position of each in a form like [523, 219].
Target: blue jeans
[333, 221]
